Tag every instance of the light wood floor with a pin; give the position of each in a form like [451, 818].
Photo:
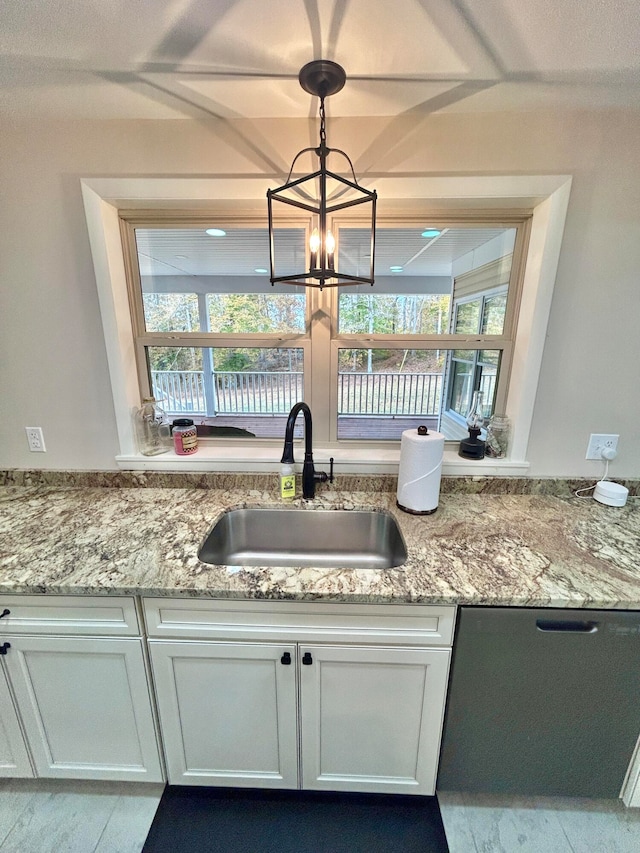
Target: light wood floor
[491, 824]
[52, 816]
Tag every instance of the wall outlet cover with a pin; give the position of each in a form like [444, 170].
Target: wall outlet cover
[35, 439]
[598, 442]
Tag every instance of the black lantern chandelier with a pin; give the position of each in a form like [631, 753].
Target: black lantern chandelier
[322, 193]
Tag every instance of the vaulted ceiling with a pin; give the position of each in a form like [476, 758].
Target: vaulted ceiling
[240, 58]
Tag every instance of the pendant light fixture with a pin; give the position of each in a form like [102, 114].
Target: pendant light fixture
[322, 193]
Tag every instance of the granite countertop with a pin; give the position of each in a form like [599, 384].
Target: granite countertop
[493, 549]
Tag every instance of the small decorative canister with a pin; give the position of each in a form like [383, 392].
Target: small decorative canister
[185, 437]
[498, 435]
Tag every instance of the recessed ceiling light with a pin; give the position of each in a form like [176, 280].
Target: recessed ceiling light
[396, 269]
[431, 232]
[261, 270]
[216, 232]
[181, 257]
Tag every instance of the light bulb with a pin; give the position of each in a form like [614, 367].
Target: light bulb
[331, 243]
[331, 247]
[314, 245]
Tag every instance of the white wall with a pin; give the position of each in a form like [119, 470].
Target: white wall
[53, 370]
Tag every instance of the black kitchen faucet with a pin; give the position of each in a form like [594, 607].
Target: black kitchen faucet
[309, 474]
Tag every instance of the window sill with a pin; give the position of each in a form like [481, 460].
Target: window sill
[347, 460]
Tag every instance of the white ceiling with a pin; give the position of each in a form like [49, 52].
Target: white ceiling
[240, 58]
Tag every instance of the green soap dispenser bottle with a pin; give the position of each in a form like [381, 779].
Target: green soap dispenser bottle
[287, 482]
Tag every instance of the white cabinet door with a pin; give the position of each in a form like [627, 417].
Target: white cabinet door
[14, 758]
[371, 718]
[227, 712]
[85, 707]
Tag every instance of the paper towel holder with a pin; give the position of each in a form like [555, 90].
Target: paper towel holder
[422, 430]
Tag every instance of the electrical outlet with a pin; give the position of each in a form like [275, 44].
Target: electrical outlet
[35, 439]
[598, 442]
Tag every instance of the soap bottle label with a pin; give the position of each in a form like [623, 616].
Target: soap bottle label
[287, 485]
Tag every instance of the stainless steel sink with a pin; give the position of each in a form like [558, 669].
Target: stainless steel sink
[338, 539]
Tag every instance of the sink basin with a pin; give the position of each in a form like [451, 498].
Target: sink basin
[337, 539]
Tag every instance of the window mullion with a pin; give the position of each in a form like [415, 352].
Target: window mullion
[322, 309]
[427, 342]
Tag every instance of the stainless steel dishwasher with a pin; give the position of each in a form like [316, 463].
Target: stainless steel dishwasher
[542, 702]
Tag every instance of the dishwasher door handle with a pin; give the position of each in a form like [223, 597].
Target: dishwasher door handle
[565, 626]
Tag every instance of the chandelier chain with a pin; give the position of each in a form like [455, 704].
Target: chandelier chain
[323, 132]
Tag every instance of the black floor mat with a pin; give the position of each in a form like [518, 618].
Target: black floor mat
[222, 820]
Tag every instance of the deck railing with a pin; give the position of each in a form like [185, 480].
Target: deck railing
[272, 392]
[179, 392]
[389, 393]
[261, 393]
[232, 392]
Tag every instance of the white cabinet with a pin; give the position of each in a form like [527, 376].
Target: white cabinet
[227, 712]
[260, 689]
[83, 702]
[371, 718]
[14, 758]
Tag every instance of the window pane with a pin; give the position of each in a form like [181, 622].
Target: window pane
[239, 313]
[354, 250]
[493, 315]
[478, 374]
[171, 360]
[464, 354]
[420, 273]
[382, 392]
[192, 281]
[228, 389]
[489, 356]
[289, 251]
[400, 314]
[468, 318]
[171, 312]
[462, 376]
[488, 377]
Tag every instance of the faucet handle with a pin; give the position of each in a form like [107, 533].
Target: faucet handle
[322, 476]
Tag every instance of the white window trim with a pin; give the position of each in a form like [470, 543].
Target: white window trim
[546, 195]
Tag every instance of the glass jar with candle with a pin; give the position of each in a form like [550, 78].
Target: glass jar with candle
[185, 437]
[498, 435]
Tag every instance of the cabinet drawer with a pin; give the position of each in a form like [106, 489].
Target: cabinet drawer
[286, 621]
[69, 615]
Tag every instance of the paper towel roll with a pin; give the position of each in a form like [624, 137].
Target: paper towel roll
[420, 471]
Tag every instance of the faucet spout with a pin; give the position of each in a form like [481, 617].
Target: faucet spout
[309, 476]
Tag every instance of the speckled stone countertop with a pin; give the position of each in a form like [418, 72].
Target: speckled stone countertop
[531, 549]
